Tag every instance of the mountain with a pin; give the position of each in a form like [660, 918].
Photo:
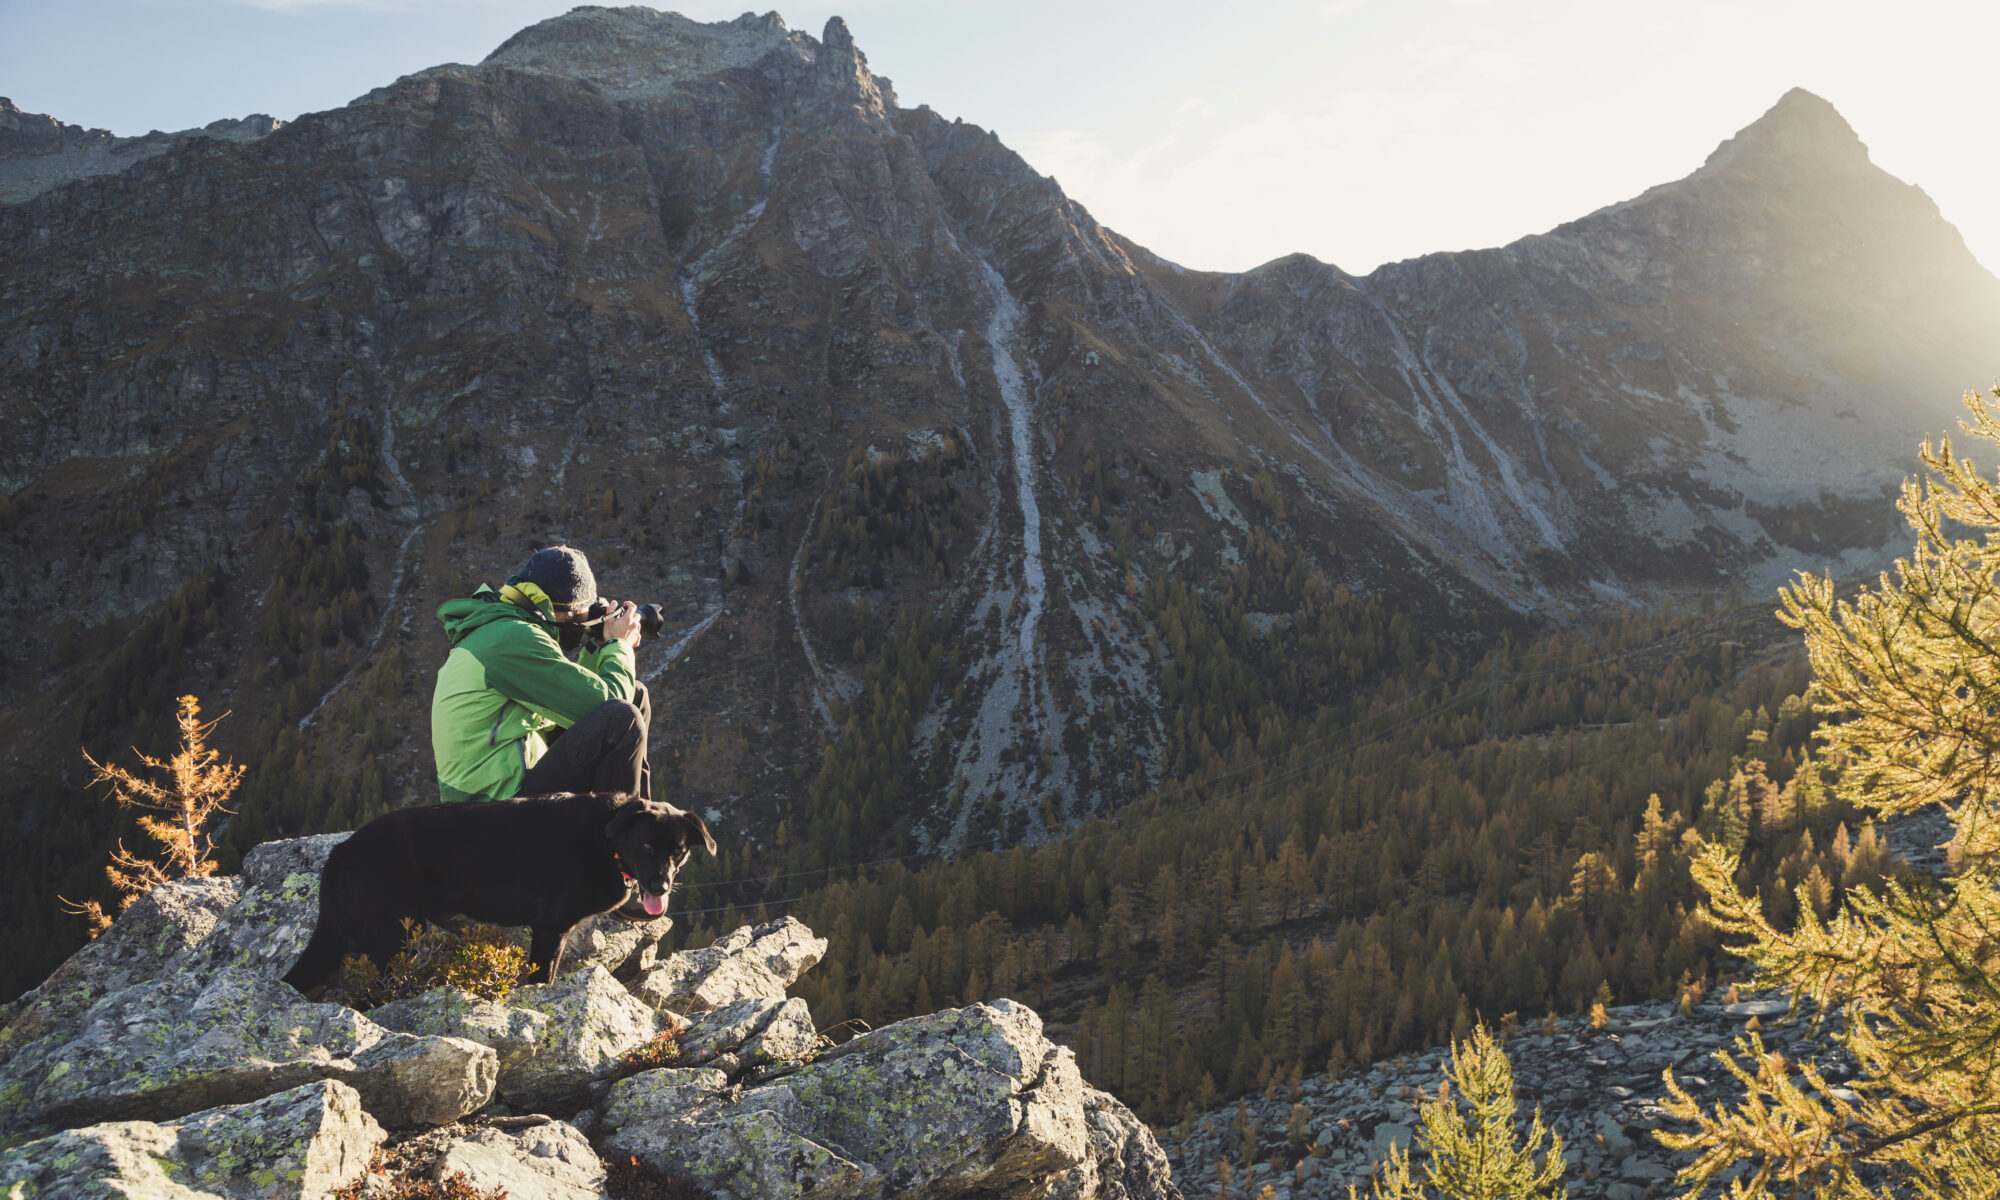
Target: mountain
[928, 467]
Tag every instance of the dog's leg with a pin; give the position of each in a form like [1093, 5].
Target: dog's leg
[545, 947]
[319, 960]
[380, 939]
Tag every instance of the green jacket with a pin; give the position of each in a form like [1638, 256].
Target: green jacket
[505, 682]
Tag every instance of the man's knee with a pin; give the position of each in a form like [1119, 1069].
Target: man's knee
[622, 719]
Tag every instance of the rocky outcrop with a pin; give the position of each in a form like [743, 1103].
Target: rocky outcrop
[167, 1059]
[300, 1144]
[1124, 1162]
[204, 1037]
[973, 1099]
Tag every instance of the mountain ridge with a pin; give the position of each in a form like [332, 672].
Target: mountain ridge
[840, 382]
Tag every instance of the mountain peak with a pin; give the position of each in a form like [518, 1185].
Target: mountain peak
[1801, 129]
[633, 50]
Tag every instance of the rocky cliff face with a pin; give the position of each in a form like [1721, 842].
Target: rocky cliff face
[165, 1059]
[806, 364]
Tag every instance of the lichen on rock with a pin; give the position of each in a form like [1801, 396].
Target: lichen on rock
[971, 1099]
[299, 1144]
[551, 1039]
[548, 1161]
[757, 962]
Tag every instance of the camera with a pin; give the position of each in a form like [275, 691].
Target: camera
[651, 618]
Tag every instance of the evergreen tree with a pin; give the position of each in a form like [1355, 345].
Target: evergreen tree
[1473, 1155]
[1913, 667]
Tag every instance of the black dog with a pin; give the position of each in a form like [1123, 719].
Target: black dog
[546, 862]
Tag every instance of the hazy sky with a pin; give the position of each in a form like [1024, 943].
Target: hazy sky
[1219, 134]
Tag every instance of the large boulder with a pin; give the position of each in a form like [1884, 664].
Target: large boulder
[1125, 1160]
[157, 1050]
[753, 1033]
[682, 1120]
[970, 1100]
[550, 1161]
[159, 925]
[265, 929]
[747, 963]
[300, 1144]
[552, 1039]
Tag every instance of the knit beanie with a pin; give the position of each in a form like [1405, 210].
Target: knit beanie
[563, 575]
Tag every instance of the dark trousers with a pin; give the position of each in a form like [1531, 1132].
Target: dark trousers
[604, 752]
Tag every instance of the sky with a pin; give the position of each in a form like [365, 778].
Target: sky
[1219, 133]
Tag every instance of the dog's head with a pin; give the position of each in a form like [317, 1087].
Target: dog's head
[653, 841]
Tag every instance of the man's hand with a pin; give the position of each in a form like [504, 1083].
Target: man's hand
[621, 624]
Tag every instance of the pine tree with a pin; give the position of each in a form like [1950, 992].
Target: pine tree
[1473, 1155]
[1913, 665]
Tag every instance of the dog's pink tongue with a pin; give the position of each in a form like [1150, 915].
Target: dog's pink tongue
[654, 905]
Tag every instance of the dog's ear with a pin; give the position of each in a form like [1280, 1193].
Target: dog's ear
[701, 827]
[624, 817]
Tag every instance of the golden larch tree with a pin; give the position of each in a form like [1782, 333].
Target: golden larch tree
[1908, 673]
[178, 812]
[1474, 1154]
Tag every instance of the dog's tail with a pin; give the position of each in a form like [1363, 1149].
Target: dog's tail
[320, 959]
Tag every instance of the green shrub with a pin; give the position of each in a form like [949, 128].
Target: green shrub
[477, 958]
[664, 1050]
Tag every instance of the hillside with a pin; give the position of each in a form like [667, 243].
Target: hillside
[928, 467]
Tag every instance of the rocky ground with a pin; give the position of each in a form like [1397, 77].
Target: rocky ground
[1599, 1089]
[166, 1060]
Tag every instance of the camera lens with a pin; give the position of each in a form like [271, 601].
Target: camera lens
[651, 620]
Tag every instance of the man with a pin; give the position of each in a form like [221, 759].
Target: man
[508, 682]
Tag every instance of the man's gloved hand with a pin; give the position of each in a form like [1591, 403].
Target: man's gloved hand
[621, 624]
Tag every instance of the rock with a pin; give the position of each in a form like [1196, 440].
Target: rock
[302, 1143]
[1124, 1162]
[550, 1161]
[747, 963]
[266, 928]
[1774, 1007]
[551, 1039]
[681, 1119]
[1613, 1134]
[160, 924]
[974, 1099]
[604, 940]
[755, 1032]
[159, 1049]
[178, 1010]
[614, 943]
[1390, 1134]
[1599, 1090]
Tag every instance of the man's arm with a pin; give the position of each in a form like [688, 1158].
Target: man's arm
[533, 672]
